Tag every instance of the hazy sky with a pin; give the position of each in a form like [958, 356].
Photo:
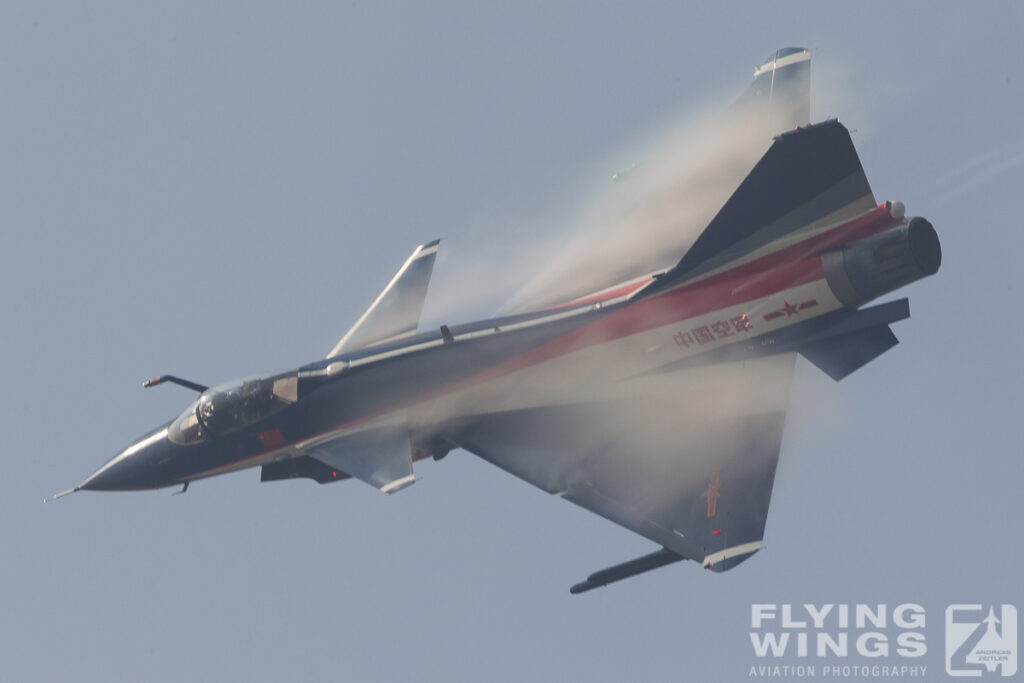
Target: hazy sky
[217, 191]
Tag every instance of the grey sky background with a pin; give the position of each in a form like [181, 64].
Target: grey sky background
[220, 190]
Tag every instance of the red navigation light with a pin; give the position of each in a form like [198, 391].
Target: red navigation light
[715, 532]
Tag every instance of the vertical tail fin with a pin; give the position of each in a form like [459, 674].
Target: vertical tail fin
[808, 178]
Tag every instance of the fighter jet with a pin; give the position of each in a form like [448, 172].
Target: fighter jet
[656, 403]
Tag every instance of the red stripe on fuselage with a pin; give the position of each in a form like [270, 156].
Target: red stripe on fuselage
[663, 309]
[788, 267]
[605, 295]
[874, 221]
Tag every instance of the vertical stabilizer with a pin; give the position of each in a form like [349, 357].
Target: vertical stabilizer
[782, 86]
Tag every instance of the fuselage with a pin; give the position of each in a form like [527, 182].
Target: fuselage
[514, 362]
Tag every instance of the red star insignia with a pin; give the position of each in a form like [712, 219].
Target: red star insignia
[789, 309]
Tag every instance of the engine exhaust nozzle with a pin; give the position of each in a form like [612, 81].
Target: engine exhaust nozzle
[866, 269]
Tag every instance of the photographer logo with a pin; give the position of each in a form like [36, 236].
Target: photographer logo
[981, 640]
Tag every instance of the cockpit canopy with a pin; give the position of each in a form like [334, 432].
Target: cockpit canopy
[229, 407]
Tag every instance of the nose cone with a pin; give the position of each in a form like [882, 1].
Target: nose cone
[140, 466]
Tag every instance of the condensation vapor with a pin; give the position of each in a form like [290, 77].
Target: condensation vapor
[669, 188]
[655, 438]
[647, 219]
[599, 416]
[675, 427]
